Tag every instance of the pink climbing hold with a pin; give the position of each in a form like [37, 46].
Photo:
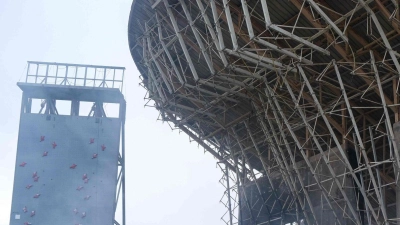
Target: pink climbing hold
[54, 144]
[22, 164]
[87, 197]
[86, 180]
[28, 186]
[79, 188]
[44, 153]
[36, 179]
[34, 174]
[36, 196]
[73, 166]
[27, 223]
[91, 141]
[33, 213]
[94, 156]
[75, 211]
[84, 176]
[83, 215]
[25, 209]
[41, 138]
[103, 147]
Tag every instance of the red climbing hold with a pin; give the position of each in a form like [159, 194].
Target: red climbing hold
[22, 164]
[36, 196]
[84, 176]
[86, 180]
[91, 141]
[41, 138]
[36, 179]
[94, 156]
[103, 147]
[79, 188]
[25, 209]
[27, 223]
[29, 186]
[44, 153]
[87, 197]
[75, 211]
[54, 144]
[34, 174]
[73, 166]
[33, 213]
[83, 215]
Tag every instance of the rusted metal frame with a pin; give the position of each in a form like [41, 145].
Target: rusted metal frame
[166, 51]
[340, 49]
[382, 34]
[253, 176]
[270, 25]
[266, 43]
[284, 166]
[212, 32]
[271, 100]
[360, 141]
[311, 131]
[378, 176]
[324, 30]
[275, 147]
[384, 106]
[150, 72]
[239, 178]
[197, 36]
[181, 41]
[388, 15]
[322, 153]
[328, 20]
[230, 25]
[265, 167]
[163, 75]
[337, 143]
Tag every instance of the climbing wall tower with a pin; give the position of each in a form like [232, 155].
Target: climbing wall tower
[69, 168]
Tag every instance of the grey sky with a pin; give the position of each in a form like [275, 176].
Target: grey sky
[169, 180]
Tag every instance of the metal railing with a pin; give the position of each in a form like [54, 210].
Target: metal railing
[75, 74]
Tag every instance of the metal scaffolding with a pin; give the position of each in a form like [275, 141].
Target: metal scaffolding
[298, 101]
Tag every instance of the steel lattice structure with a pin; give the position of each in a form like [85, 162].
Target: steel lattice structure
[297, 99]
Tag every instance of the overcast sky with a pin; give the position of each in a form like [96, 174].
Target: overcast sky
[169, 180]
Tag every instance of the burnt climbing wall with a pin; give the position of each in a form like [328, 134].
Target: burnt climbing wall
[66, 170]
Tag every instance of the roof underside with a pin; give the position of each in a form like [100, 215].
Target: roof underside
[268, 84]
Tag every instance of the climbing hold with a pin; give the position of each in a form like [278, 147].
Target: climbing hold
[94, 156]
[103, 147]
[22, 164]
[41, 138]
[86, 180]
[87, 197]
[27, 223]
[54, 144]
[33, 213]
[34, 174]
[29, 186]
[73, 166]
[25, 209]
[91, 141]
[84, 176]
[75, 211]
[44, 153]
[36, 179]
[79, 188]
[36, 196]
[83, 215]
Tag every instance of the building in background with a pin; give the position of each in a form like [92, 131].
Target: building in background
[69, 166]
[298, 100]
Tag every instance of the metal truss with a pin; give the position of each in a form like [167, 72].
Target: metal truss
[297, 100]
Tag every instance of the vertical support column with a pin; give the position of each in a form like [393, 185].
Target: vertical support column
[122, 112]
[75, 108]
[396, 130]
[228, 189]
